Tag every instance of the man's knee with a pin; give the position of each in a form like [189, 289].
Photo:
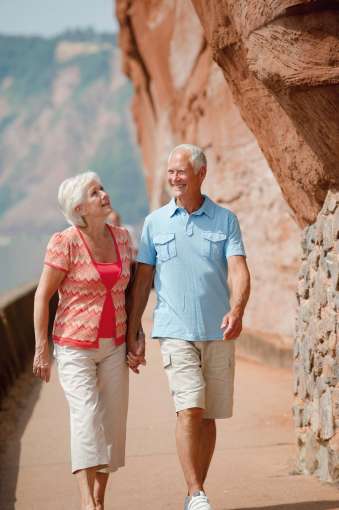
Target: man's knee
[209, 423]
[208, 426]
[191, 415]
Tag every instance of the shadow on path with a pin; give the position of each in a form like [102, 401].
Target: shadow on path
[307, 505]
[15, 413]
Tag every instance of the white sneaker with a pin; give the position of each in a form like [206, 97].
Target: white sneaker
[199, 501]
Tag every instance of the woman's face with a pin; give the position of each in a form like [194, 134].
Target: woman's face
[96, 203]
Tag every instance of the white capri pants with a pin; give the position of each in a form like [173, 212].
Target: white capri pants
[95, 382]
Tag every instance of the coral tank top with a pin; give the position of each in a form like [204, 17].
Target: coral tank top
[109, 274]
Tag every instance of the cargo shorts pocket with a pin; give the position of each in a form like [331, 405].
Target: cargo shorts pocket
[186, 373]
[213, 244]
[167, 364]
[166, 360]
[165, 246]
[221, 365]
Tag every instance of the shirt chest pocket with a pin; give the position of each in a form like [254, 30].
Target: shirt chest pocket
[213, 244]
[165, 246]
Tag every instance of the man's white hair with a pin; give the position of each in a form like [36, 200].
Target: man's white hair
[72, 193]
[197, 155]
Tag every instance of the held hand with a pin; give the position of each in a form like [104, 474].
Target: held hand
[232, 325]
[136, 352]
[41, 363]
[134, 362]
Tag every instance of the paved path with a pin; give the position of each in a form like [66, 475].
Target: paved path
[252, 467]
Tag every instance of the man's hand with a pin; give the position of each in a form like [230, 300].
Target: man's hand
[232, 325]
[136, 353]
[240, 291]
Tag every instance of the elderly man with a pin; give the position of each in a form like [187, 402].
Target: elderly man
[194, 246]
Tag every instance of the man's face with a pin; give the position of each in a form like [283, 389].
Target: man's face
[181, 177]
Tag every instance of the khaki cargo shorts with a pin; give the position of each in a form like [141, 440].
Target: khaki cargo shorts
[200, 374]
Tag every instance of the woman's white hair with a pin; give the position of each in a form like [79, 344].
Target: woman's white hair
[197, 155]
[72, 193]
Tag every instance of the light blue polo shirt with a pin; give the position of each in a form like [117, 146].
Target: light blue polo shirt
[189, 252]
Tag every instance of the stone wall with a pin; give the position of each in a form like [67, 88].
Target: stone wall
[316, 352]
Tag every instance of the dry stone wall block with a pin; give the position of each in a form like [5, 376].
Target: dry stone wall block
[333, 457]
[316, 350]
[322, 462]
[308, 448]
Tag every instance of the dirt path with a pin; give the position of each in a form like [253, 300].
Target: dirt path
[251, 469]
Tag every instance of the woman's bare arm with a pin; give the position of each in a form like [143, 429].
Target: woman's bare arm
[49, 283]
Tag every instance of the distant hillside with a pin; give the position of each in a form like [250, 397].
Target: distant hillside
[64, 108]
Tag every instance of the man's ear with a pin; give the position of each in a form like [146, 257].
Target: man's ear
[203, 171]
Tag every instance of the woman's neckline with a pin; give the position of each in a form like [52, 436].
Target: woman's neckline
[116, 263]
[95, 262]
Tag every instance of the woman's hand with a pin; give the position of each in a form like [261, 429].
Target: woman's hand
[41, 363]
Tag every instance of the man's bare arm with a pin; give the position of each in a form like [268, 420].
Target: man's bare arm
[136, 302]
[240, 291]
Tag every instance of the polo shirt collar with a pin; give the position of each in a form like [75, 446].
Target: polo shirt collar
[207, 208]
[172, 207]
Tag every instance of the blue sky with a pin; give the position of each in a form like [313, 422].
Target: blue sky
[50, 17]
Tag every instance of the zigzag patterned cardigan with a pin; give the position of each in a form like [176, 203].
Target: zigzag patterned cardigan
[82, 293]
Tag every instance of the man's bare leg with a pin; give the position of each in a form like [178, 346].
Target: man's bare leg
[207, 445]
[188, 436]
[85, 478]
[100, 484]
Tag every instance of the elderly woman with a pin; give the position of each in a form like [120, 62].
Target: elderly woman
[89, 264]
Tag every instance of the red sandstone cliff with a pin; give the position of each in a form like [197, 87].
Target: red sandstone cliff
[279, 63]
[280, 59]
[181, 96]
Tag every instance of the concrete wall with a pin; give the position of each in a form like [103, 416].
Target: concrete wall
[17, 334]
